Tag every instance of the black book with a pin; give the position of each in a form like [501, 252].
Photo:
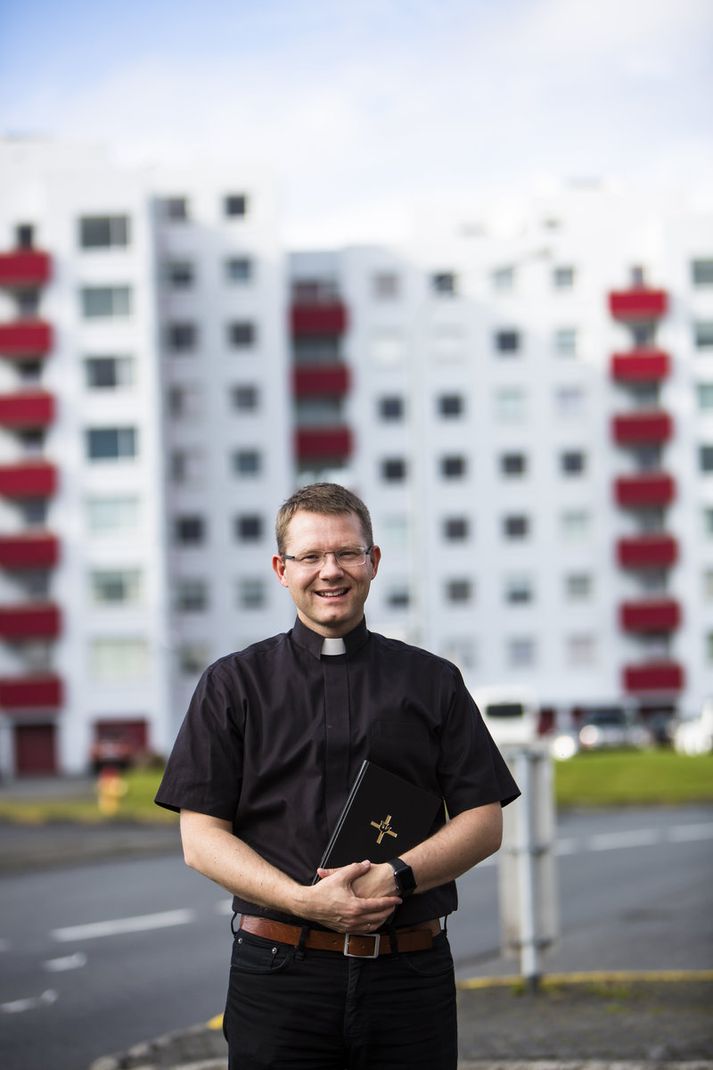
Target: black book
[383, 816]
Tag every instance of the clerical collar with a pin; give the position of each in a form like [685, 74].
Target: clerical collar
[312, 641]
[333, 646]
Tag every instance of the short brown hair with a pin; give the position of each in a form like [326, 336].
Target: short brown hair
[330, 499]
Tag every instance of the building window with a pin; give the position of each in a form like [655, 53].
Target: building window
[459, 591]
[393, 470]
[239, 269]
[565, 341]
[518, 590]
[185, 400]
[181, 337]
[703, 334]
[702, 272]
[578, 587]
[708, 521]
[112, 516]
[450, 405]
[704, 393]
[33, 512]
[188, 465]
[103, 231]
[118, 660]
[563, 277]
[241, 335]
[193, 658]
[29, 371]
[507, 341]
[111, 443]
[581, 650]
[191, 595]
[460, 651]
[453, 466]
[516, 526]
[189, 530]
[27, 303]
[113, 587]
[503, 279]
[510, 404]
[99, 302]
[456, 528]
[387, 346]
[444, 282]
[513, 464]
[244, 398]
[573, 462]
[520, 652]
[248, 527]
[398, 596]
[251, 593]
[391, 407]
[236, 204]
[575, 523]
[247, 462]
[316, 350]
[708, 584]
[175, 209]
[24, 236]
[108, 373]
[180, 274]
[315, 291]
[385, 285]
[319, 412]
[570, 400]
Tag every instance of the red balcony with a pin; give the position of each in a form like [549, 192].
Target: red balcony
[25, 338]
[653, 615]
[24, 268]
[654, 676]
[638, 304]
[40, 550]
[31, 621]
[648, 490]
[31, 693]
[27, 410]
[328, 318]
[328, 380]
[640, 366]
[642, 428]
[647, 551]
[28, 479]
[323, 443]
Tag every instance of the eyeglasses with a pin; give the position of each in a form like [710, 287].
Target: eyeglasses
[348, 557]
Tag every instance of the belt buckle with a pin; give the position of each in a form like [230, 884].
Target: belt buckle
[376, 937]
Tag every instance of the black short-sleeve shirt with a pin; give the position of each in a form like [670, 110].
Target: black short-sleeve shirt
[275, 734]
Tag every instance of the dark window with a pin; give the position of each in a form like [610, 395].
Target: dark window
[702, 272]
[393, 469]
[27, 303]
[516, 527]
[572, 462]
[248, 528]
[456, 528]
[239, 268]
[29, 371]
[192, 595]
[108, 372]
[24, 236]
[236, 204]
[444, 282]
[705, 458]
[513, 464]
[175, 209]
[247, 462]
[111, 443]
[703, 334]
[180, 274]
[507, 341]
[103, 232]
[245, 397]
[241, 334]
[459, 590]
[181, 337]
[189, 530]
[563, 277]
[391, 407]
[450, 405]
[453, 466]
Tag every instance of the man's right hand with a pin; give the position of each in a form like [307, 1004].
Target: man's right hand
[333, 902]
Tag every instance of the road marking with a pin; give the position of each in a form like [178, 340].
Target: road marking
[608, 841]
[140, 923]
[690, 833]
[17, 1006]
[69, 962]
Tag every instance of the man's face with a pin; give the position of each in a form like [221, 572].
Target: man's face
[329, 597]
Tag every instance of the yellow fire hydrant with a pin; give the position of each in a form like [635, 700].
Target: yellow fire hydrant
[111, 787]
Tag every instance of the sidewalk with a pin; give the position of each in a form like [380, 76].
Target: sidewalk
[569, 1025]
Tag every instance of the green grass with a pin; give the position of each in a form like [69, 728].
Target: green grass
[628, 778]
[621, 778]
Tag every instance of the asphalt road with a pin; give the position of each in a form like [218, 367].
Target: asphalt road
[94, 958]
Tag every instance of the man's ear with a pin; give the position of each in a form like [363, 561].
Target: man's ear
[278, 567]
[375, 559]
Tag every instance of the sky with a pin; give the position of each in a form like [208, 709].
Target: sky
[365, 111]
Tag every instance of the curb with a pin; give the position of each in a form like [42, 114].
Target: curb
[594, 977]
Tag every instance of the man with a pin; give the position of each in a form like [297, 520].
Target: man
[260, 771]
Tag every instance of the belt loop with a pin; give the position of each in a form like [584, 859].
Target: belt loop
[236, 914]
[445, 925]
[300, 950]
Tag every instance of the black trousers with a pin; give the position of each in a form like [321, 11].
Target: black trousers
[324, 1011]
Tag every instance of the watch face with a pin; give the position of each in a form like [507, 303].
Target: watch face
[405, 881]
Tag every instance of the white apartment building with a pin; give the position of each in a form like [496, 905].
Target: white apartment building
[528, 410]
[143, 444]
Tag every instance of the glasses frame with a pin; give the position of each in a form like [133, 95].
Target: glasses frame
[335, 554]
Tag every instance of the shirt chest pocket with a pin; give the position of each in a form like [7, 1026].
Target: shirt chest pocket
[405, 746]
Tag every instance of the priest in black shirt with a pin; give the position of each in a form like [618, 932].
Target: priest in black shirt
[353, 970]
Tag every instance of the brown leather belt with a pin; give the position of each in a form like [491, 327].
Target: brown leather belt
[353, 945]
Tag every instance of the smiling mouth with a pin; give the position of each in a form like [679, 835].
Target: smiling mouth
[332, 594]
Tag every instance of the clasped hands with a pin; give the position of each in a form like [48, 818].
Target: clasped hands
[355, 898]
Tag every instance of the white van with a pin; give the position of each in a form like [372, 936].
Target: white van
[510, 713]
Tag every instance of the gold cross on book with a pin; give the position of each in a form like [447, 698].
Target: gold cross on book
[383, 828]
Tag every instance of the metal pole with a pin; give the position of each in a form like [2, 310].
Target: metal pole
[529, 957]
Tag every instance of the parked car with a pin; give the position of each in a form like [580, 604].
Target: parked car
[609, 727]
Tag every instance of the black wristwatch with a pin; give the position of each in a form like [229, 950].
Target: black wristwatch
[403, 874]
